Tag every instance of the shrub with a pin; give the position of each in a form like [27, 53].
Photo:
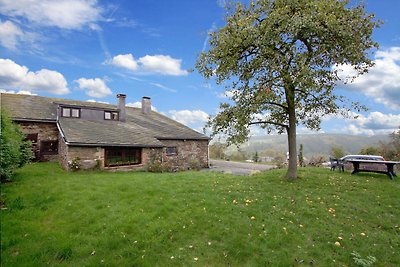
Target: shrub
[156, 164]
[217, 151]
[194, 164]
[391, 150]
[14, 151]
[370, 150]
[75, 164]
[317, 160]
[280, 161]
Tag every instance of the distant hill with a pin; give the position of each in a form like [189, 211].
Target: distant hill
[313, 144]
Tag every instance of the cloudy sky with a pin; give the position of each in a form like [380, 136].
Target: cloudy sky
[93, 50]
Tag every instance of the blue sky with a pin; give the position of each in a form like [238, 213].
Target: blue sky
[92, 50]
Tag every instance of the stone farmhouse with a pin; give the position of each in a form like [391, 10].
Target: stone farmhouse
[104, 136]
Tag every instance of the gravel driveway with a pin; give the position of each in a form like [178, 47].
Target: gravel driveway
[238, 168]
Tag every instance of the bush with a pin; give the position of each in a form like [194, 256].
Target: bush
[391, 150]
[317, 161]
[370, 150]
[14, 151]
[156, 164]
[75, 164]
[280, 161]
[194, 164]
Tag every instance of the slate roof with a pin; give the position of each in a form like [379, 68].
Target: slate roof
[40, 108]
[107, 133]
[138, 130]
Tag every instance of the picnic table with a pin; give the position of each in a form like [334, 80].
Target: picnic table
[389, 166]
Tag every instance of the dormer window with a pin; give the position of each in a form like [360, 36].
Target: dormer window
[71, 112]
[111, 115]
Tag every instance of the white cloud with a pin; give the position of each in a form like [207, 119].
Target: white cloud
[226, 94]
[94, 87]
[138, 104]
[374, 123]
[65, 14]
[125, 61]
[195, 119]
[189, 117]
[163, 87]
[212, 29]
[22, 92]
[96, 101]
[160, 64]
[10, 35]
[382, 82]
[14, 76]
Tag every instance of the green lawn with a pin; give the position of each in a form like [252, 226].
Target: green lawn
[51, 217]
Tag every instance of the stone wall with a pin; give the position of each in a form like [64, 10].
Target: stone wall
[191, 154]
[146, 155]
[93, 157]
[87, 157]
[62, 153]
[46, 131]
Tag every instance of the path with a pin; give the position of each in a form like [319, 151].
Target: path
[237, 168]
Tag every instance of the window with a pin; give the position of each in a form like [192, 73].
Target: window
[75, 113]
[71, 112]
[171, 151]
[66, 112]
[32, 137]
[49, 147]
[109, 115]
[123, 156]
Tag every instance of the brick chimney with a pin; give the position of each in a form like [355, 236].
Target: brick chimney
[121, 106]
[146, 105]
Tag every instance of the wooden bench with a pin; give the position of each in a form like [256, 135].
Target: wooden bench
[365, 163]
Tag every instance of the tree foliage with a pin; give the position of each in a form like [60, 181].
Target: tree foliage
[391, 150]
[277, 60]
[337, 152]
[217, 151]
[14, 151]
[370, 150]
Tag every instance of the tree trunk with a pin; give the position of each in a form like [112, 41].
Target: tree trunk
[291, 132]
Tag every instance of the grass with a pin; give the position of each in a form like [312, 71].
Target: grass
[51, 217]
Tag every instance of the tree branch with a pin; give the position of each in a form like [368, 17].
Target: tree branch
[277, 104]
[269, 122]
[309, 50]
[308, 94]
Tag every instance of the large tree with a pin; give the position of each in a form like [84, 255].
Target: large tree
[278, 60]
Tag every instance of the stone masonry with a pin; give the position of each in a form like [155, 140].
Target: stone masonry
[46, 131]
[190, 154]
